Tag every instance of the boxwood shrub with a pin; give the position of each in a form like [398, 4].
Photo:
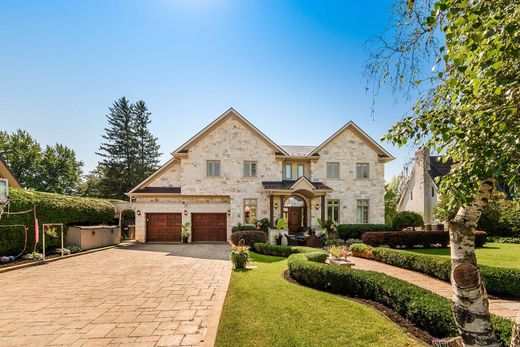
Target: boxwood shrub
[242, 228]
[50, 208]
[285, 251]
[427, 310]
[354, 231]
[250, 237]
[498, 280]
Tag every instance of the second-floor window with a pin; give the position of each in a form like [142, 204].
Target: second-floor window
[288, 171]
[250, 169]
[213, 168]
[332, 170]
[250, 207]
[300, 170]
[333, 210]
[361, 170]
[362, 211]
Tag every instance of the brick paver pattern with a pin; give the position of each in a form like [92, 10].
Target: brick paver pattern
[501, 307]
[142, 295]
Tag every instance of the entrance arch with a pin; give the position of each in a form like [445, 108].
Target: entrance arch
[295, 213]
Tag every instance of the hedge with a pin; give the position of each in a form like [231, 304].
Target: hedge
[498, 280]
[354, 231]
[242, 228]
[285, 251]
[425, 309]
[50, 208]
[250, 237]
[409, 239]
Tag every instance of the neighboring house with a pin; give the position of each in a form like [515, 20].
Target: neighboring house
[7, 174]
[231, 173]
[420, 191]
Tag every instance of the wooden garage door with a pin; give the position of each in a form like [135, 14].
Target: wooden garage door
[209, 227]
[163, 227]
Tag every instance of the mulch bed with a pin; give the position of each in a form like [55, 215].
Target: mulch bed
[403, 322]
[25, 261]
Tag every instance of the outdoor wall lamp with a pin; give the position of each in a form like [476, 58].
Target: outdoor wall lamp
[276, 205]
[138, 212]
[229, 212]
[185, 212]
[317, 206]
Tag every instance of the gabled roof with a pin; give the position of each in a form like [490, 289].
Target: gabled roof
[383, 153]
[231, 112]
[298, 151]
[5, 172]
[292, 184]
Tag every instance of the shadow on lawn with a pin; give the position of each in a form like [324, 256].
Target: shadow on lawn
[261, 258]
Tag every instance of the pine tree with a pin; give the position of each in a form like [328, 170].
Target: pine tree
[118, 151]
[147, 159]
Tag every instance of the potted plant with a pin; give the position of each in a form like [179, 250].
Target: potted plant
[239, 255]
[338, 255]
[281, 224]
[186, 232]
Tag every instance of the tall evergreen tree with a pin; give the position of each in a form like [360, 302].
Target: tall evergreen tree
[118, 151]
[147, 160]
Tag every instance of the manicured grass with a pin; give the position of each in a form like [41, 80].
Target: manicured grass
[263, 309]
[493, 254]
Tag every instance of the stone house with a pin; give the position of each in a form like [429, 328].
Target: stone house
[231, 173]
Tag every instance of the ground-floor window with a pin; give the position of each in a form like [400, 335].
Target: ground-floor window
[362, 211]
[250, 208]
[333, 210]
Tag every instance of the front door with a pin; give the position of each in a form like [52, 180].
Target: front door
[295, 220]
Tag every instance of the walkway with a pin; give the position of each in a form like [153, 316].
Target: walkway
[500, 307]
[145, 295]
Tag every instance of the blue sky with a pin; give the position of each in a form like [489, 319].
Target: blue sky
[293, 68]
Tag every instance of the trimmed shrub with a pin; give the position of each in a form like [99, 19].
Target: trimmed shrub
[480, 238]
[427, 310]
[506, 240]
[242, 228]
[406, 239]
[354, 231]
[335, 242]
[50, 208]
[350, 242]
[407, 219]
[250, 237]
[285, 251]
[498, 280]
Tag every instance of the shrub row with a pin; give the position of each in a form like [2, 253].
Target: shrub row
[498, 281]
[425, 309]
[50, 208]
[341, 242]
[285, 251]
[409, 239]
[250, 237]
[354, 231]
[242, 228]
[505, 239]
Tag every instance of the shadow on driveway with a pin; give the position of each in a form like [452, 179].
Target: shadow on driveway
[218, 251]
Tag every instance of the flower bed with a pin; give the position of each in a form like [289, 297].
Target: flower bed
[425, 309]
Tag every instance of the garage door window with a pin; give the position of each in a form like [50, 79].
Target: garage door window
[250, 207]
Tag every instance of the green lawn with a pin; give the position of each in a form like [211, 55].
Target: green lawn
[494, 254]
[263, 309]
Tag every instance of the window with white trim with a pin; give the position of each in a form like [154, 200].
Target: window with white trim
[362, 211]
[333, 210]
[213, 168]
[332, 170]
[300, 170]
[250, 208]
[362, 170]
[249, 168]
[288, 171]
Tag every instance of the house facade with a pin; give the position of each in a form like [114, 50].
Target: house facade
[7, 180]
[231, 173]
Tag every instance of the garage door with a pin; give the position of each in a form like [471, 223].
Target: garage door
[163, 227]
[209, 227]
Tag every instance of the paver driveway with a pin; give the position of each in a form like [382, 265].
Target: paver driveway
[152, 294]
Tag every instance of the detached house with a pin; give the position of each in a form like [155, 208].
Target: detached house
[231, 173]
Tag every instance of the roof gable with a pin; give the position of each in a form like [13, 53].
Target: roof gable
[221, 119]
[383, 153]
[5, 172]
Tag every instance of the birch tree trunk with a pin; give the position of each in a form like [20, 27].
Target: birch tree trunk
[515, 339]
[470, 300]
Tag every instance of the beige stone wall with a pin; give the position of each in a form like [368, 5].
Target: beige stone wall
[349, 149]
[171, 177]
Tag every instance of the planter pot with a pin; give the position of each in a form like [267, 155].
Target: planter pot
[341, 262]
[185, 239]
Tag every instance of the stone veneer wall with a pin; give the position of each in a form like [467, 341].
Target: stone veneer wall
[349, 149]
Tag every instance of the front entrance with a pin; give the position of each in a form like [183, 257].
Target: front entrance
[295, 214]
[295, 219]
[208, 227]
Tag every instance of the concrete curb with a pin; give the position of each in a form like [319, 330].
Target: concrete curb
[43, 262]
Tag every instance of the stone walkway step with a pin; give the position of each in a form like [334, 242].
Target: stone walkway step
[500, 307]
